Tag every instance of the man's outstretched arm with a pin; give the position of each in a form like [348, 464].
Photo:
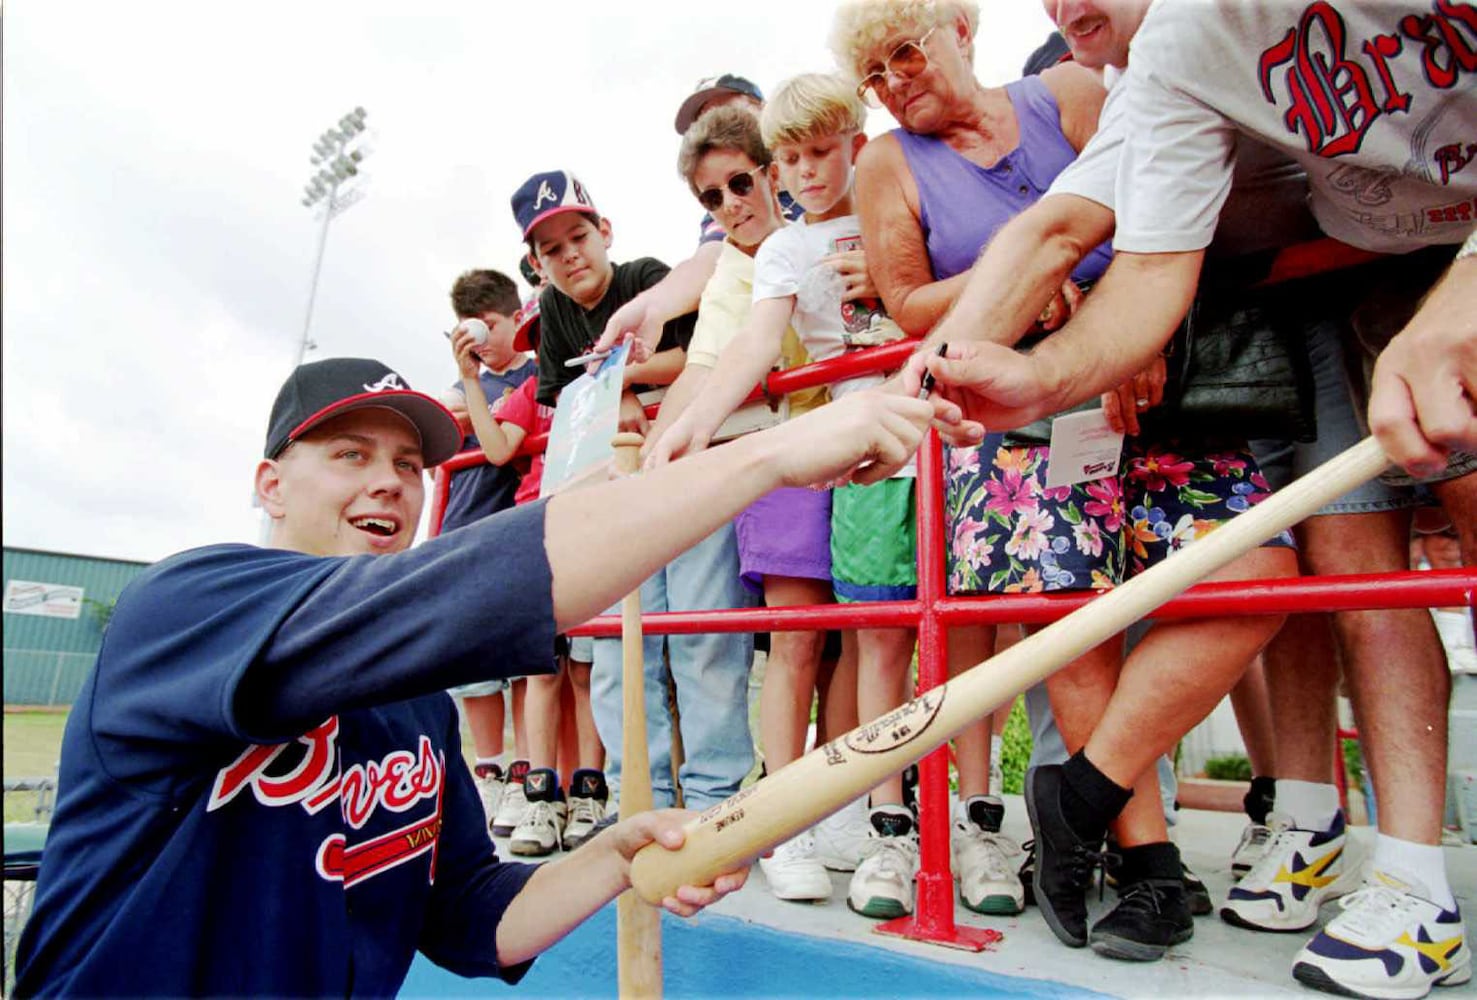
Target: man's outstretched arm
[1127, 319]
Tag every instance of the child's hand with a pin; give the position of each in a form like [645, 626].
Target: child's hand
[462, 345]
[633, 321]
[682, 438]
[851, 266]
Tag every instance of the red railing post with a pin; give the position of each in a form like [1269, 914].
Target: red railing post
[933, 911]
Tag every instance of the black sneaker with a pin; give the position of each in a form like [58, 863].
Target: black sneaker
[1151, 915]
[1197, 896]
[1065, 861]
[1196, 893]
[1027, 872]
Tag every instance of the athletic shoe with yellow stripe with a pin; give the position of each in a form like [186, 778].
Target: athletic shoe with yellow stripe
[1387, 942]
[1299, 871]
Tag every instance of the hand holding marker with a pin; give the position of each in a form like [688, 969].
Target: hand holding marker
[927, 382]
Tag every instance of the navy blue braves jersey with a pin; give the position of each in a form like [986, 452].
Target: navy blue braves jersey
[262, 790]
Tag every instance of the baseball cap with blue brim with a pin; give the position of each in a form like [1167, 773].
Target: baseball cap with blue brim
[322, 389]
[548, 194]
[706, 90]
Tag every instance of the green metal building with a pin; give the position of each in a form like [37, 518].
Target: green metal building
[56, 605]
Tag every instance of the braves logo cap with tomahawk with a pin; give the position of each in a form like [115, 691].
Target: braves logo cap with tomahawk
[548, 194]
[322, 389]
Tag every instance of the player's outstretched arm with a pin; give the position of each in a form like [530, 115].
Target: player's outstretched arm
[1423, 401]
[563, 893]
[603, 541]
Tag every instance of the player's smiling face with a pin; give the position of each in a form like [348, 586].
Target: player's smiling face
[353, 485]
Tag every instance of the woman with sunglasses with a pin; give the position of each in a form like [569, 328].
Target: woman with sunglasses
[931, 194]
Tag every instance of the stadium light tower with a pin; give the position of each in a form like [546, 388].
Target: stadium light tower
[337, 154]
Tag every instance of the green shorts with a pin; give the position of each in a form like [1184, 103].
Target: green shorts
[874, 549]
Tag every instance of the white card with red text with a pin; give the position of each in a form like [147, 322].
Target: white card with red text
[1083, 448]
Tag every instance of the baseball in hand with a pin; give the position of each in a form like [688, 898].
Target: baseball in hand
[477, 329]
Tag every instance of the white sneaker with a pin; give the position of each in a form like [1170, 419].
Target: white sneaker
[841, 838]
[988, 882]
[794, 873]
[1300, 870]
[1387, 942]
[541, 830]
[490, 784]
[510, 810]
[882, 885]
[1249, 850]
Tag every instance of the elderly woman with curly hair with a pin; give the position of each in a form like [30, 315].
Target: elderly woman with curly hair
[931, 194]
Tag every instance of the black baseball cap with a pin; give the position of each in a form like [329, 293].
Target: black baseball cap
[713, 86]
[322, 389]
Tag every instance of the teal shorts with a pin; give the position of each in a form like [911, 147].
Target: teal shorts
[874, 549]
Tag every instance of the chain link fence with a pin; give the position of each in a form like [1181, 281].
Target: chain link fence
[44, 676]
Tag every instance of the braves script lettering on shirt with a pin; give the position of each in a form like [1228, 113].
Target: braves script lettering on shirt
[306, 771]
[1334, 87]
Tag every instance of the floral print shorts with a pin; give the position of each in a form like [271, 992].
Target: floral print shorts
[1008, 533]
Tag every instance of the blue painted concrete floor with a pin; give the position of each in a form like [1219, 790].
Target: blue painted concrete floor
[752, 945]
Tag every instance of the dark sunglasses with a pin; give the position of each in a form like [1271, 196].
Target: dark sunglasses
[741, 184]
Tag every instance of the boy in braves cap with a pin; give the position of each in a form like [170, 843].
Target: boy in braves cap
[569, 242]
[262, 785]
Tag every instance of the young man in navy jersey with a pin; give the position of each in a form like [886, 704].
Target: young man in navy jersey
[262, 787]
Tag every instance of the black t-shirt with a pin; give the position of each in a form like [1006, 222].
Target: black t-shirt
[568, 330]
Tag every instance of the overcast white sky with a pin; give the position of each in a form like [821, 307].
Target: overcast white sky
[157, 260]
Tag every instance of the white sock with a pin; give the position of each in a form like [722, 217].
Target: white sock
[1421, 866]
[1311, 805]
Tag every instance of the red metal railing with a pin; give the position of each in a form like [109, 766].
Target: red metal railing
[933, 612]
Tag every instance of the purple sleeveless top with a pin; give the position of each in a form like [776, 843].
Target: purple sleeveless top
[963, 204]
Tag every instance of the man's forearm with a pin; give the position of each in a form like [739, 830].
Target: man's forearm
[1022, 268]
[555, 900]
[601, 543]
[1120, 327]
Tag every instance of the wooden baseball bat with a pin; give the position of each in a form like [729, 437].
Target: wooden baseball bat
[735, 831]
[638, 923]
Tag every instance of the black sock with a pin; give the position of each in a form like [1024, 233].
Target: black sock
[1258, 799]
[1157, 861]
[1090, 799]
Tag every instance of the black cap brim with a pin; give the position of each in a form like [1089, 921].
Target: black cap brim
[441, 435]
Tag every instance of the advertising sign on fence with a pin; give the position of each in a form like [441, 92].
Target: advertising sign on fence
[50, 600]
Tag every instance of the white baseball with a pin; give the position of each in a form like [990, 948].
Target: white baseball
[477, 329]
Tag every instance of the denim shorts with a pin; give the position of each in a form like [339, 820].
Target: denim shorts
[1339, 429]
[481, 689]
[1008, 533]
[582, 648]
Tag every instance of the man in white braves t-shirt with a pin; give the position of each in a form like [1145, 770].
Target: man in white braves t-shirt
[1370, 99]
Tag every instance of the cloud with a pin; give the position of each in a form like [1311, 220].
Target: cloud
[157, 262]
